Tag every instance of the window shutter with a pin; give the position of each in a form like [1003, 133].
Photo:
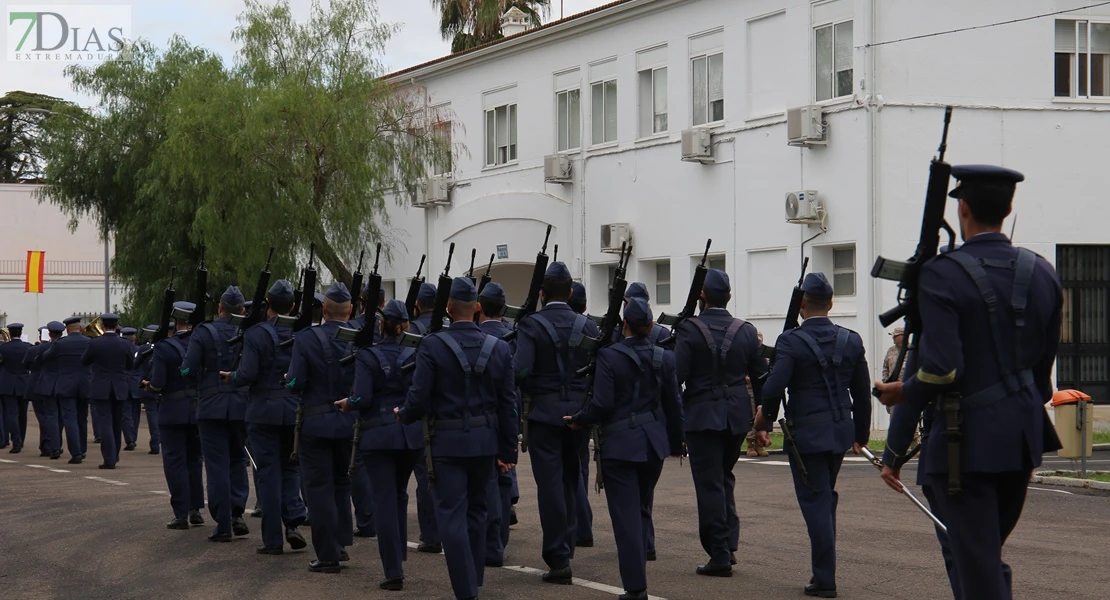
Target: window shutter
[610, 111]
[700, 91]
[1065, 35]
[574, 135]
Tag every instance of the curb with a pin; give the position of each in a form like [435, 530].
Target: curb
[1049, 478]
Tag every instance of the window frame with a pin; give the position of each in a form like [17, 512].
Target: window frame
[832, 25]
[649, 105]
[1075, 77]
[559, 115]
[443, 129]
[706, 56]
[512, 144]
[593, 113]
[854, 271]
[667, 282]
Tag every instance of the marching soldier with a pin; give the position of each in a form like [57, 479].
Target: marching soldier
[131, 408]
[39, 387]
[270, 418]
[637, 289]
[463, 388]
[141, 399]
[389, 450]
[177, 421]
[66, 383]
[362, 494]
[491, 307]
[637, 406]
[221, 409]
[109, 357]
[991, 317]
[547, 356]
[584, 527]
[425, 508]
[821, 364]
[13, 386]
[715, 354]
[325, 436]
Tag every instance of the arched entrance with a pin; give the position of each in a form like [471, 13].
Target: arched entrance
[514, 277]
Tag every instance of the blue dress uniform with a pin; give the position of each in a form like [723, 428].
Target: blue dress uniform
[110, 358]
[270, 417]
[131, 409]
[637, 406]
[463, 387]
[39, 386]
[584, 525]
[714, 352]
[325, 442]
[389, 450]
[992, 319]
[500, 491]
[361, 491]
[821, 364]
[13, 387]
[425, 508]
[141, 398]
[221, 410]
[64, 368]
[177, 425]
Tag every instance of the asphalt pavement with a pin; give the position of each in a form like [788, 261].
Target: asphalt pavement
[76, 532]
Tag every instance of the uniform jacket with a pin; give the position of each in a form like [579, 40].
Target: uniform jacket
[537, 367]
[209, 353]
[639, 411]
[315, 373]
[109, 358]
[262, 367]
[64, 374]
[716, 397]
[822, 421]
[657, 335]
[439, 389]
[177, 402]
[32, 361]
[14, 374]
[380, 386]
[140, 370]
[423, 323]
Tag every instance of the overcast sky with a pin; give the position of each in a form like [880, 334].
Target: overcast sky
[210, 22]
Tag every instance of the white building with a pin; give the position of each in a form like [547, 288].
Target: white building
[74, 281]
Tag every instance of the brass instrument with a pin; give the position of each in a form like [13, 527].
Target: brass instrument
[5, 335]
[94, 328]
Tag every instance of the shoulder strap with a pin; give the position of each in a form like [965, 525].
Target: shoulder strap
[269, 328]
[484, 354]
[215, 333]
[812, 343]
[974, 268]
[382, 363]
[562, 351]
[730, 337]
[841, 344]
[578, 331]
[335, 372]
[177, 345]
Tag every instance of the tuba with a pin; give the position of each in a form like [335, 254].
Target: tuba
[94, 328]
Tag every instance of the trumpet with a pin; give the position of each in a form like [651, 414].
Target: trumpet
[94, 328]
[5, 335]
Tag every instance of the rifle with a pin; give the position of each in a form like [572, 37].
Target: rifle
[200, 297]
[356, 286]
[791, 446]
[691, 299]
[414, 290]
[298, 293]
[470, 273]
[555, 255]
[487, 276]
[908, 273]
[304, 314]
[793, 311]
[364, 336]
[517, 313]
[443, 294]
[162, 332]
[258, 310]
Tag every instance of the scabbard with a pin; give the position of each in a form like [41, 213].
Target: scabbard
[354, 448]
[950, 406]
[295, 456]
[599, 479]
[527, 405]
[428, 425]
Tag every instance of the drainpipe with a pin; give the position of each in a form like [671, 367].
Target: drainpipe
[874, 165]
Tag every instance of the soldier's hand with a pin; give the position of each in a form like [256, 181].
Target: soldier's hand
[145, 385]
[343, 405]
[760, 422]
[225, 376]
[763, 439]
[891, 477]
[504, 467]
[857, 449]
[890, 393]
[397, 413]
[569, 420]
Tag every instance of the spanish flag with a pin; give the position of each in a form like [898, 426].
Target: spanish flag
[36, 261]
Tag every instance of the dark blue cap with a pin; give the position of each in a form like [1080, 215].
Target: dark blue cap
[182, 309]
[493, 292]
[151, 327]
[109, 317]
[70, 321]
[427, 295]
[232, 296]
[281, 290]
[15, 326]
[637, 290]
[248, 304]
[716, 282]
[463, 290]
[338, 293]
[816, 284]
[55, 327]
[637, 312]
[395, 311]
[319, 298]
[127, 331]
[557, 270]
[973, 176]
[577, 293]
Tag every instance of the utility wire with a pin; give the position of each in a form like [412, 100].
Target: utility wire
[929, 35]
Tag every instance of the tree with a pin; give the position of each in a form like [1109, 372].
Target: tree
[21, 114]
[472, 23]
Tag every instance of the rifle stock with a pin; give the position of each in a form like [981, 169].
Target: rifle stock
[470, 273]
[304, 317]
[356, 285]
[200, 294]
[168, 298]
[414, 290]
[487, 276]
[439, 311]
[365, 335]
[258, 310]
[793, 312]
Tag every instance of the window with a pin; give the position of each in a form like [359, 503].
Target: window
[442, 161]
[570, 119]
[604, 95]
[663, 282]
[709, 88]
[1082, 59]
[844, 271]
[834, 60]
[390, 290]
[501, 135]
[1083, 359]
[717, 263]
[653, 101]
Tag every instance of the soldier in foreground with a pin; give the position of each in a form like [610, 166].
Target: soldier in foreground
[109, 357]
[491, 305]
[63, 386]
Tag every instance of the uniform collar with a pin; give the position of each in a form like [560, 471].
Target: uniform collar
[463, 325]
[817, 320]
[987, 237]
[556, 305]
[716, 311]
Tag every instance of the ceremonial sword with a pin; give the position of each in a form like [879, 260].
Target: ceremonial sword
[879, 465]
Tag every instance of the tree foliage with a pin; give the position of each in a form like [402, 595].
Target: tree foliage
[300, 141]
[471, 23]
[21, 116]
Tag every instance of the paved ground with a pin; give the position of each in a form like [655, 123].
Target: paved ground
[74, 532]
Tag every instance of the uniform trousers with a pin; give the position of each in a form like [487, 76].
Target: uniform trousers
[363, 499]
[584, 529]
[277, 480]
[389, 472]
[556, 466]
[131, 410]
[498, 514]
[181, 462]
[68, 409]
[425, 507]
[16, 420]
[83, 423]
[818, 501]
[459, 492]
[50, 436]
[226, 463]
[110, 415]
[979, 520]
[945, 550]
[713, 455]
[327, 485]
[151, 407]
[629, 489]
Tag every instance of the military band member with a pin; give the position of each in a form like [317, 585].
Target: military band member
[131, 408]
[991, 315]
[109, 357]
[491, 307]
[270, 418]
[636, 404]
[177, 422]
[463, 385]
[824, 367]
[40, 385]
[715, 354]
[389, 449]
[548, 354]
[67, 379]
[425, 508]
[325, 438]
[13, 386]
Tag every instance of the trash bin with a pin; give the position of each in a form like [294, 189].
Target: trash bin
[1075, 415]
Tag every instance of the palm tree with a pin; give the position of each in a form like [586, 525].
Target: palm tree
[471, 23]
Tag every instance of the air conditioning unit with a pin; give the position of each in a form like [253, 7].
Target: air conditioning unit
[439, 188]
[613, 235]
[805, 126]
[805, 207]
[556, 168]
[697, 145]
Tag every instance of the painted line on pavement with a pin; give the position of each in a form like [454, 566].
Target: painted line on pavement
[1036, 489]
[101, 479]
[10, 462]
[36, 466]
[162, 492]
[58, 471]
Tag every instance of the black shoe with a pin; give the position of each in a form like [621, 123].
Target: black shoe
[55, 455]
[585, 543]
[641, 595]
[129, 447]
[344, 557]
[365, 534]
[306, 523]
[559, 576]
[76, 460]
[295, 539]
[812, 590]
[493, 562]
[713, 570]
[651, 554]
[106, 466]
[732, 558]
[15, 450]
[319, 566]
[512, 516]
[269, 551]
[239, 526]
[220, 537]
[393, 585]
[178, 524]
[96, 440]
[195, 518]
[429, 548]
[154, 451]
[256, 513]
